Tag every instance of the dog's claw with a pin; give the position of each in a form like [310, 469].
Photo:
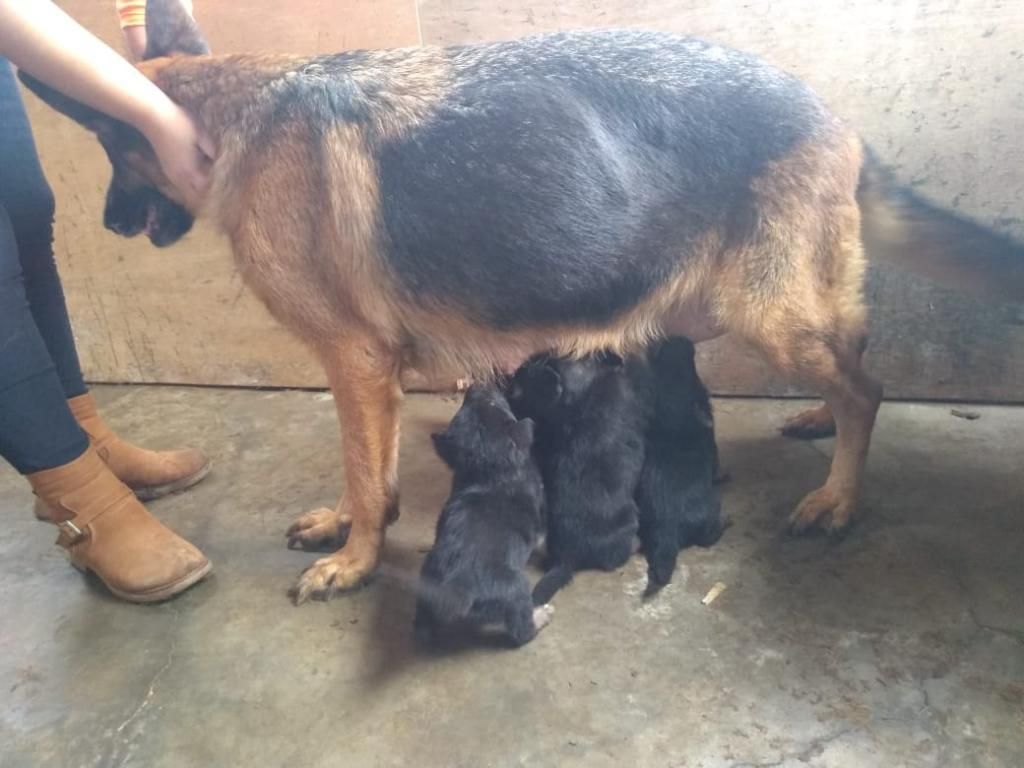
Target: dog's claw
[823, 508]
[318, 529]
[330, 575]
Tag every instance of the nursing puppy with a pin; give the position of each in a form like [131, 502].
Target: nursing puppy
[591, 451]
[676, 495]
[489, 526]
[547, 389]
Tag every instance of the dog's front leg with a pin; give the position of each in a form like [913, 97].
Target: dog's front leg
[363, 376]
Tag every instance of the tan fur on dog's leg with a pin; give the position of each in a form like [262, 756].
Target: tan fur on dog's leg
[364, 380]
[854, 398]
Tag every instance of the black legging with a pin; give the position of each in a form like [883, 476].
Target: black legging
[39, 366]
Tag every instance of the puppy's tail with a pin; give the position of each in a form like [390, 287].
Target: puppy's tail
[900, 227]
[659, 517]
[661, 564]
[552, 581]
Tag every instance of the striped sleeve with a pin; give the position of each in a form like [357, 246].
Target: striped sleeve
[132, 13]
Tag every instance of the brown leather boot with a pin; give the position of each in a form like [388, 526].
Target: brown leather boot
[150, 474]
[106, 530]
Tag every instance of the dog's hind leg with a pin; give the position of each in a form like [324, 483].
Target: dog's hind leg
[523, 621]
[815, 423]
[818, 337]
[363, 376]
[795, 290]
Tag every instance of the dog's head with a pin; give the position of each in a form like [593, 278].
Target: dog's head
[674, 366]
[545, 387]
[484, 434]
[139, 197]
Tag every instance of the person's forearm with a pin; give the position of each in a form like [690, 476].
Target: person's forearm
[44, 41]
[135, 40]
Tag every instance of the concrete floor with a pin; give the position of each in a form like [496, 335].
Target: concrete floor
[902, 645]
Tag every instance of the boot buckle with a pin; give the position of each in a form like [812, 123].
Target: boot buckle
[73, 532]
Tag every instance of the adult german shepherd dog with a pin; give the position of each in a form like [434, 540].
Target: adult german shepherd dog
[461, 208]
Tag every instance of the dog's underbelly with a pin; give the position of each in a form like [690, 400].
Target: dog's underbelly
[692, 320]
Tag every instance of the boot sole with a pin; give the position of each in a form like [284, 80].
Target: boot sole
[160, 593]
[151, 492]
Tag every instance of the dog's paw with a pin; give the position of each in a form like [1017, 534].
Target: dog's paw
[810, 424]
[322, 528]
[825, 509]
[330, 575]
[542, 616]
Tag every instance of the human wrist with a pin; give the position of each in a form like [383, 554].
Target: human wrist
[154, 115]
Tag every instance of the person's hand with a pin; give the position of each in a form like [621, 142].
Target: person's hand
[43, 40]
[185, 152]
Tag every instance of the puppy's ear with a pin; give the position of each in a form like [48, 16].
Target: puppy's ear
[91, 119]
[170, 30]
[521, 433]
[548, 385]
[654, 351]
[611, 359]
[444, 445]
[703, 416]
[514, 390]
[496, 421]
[474, 393]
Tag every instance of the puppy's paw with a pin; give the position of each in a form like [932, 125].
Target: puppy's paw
[329, 575]
[322, 528]
[810, 425]
[542, 616]
[824, 508]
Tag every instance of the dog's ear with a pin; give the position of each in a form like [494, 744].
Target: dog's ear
[611, 359]
[547, 384]
[92, 119]
[474, 393]
[444, 445]
[513, 390]
[703, 416]
[521, 433]
[493, 418]
[171, 30]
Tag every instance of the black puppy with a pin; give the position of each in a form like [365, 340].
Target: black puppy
[678, 503]
[590, 447]
[490, 525]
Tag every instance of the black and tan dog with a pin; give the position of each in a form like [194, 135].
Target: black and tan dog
[466, 207]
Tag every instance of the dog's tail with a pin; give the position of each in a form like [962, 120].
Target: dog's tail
[552, 581]
[901, 227]
[661, 564]
[660, 541]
